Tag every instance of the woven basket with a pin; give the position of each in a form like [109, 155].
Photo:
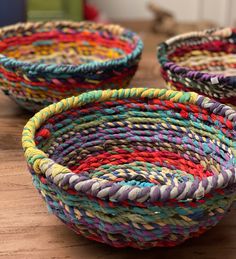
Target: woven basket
[204, 62]
[135, 167]
[44, 62]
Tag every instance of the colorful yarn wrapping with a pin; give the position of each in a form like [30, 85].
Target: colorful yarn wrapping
[135, 167]
[204, 62]
[44, 62]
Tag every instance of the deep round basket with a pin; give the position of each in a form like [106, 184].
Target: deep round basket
[135, 167]
[203, 62]
[44, 62]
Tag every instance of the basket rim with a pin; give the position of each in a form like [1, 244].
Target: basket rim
[166, 64]
[61, 176]
[37, 67]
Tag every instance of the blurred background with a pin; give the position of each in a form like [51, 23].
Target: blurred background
[220, 12]
[154, 20]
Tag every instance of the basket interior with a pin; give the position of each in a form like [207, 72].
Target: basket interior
[142, 142]
[66, 46]
[211, 54]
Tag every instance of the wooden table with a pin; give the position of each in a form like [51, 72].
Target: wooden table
[28, 231]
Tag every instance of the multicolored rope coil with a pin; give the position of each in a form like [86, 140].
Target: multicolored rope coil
[44, 62]
[204, 62]
[135, 167]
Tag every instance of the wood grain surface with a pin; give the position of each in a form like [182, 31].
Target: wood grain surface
[28, 231]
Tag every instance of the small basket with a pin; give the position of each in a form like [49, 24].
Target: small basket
[204, 62]
[44, 62]
[135, 167]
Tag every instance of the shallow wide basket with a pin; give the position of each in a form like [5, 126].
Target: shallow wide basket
[135, 167]
[204, 62]
[44, 62]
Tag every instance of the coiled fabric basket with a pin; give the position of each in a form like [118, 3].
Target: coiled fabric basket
[204, 62]
[44, 62]
[135, 167]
